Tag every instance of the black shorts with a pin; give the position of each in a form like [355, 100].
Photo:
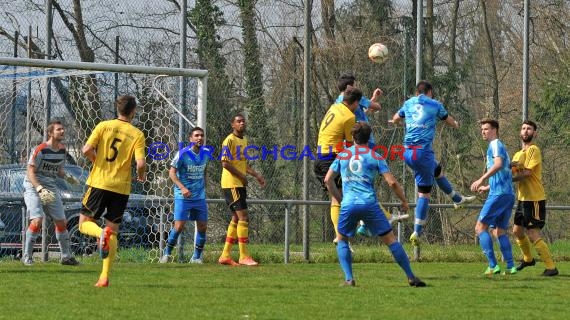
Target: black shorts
[97, 201]
[322, 167]
[531, 214]
[235, 198]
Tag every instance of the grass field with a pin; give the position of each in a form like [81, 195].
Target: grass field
[278, 291]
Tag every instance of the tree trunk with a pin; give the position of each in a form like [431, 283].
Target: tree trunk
[329, 19]
[429, 51]
[453, 36]
[495, 112]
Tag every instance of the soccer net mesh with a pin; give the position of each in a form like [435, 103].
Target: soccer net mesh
[81, 99]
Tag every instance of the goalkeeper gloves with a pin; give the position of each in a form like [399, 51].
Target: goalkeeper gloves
[71, 179]
[46, 196]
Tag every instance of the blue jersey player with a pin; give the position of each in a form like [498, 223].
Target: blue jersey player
[358, 171]
[499, 204]
[187, 172]
[421, 114]
[365, 106]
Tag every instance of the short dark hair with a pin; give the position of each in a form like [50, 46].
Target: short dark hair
[125, 105]
[351, 95]
[237, 115]
[51, 126]
[531, 123]
[423, 87]
[346, 79]
[361, 132]
[196, 129]
[494, 123]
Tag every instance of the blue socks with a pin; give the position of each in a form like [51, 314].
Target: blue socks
[486, 243]
[199, 242]
[345, 258]
[445, 186]
[401, 258]
[421, 214]
[171, 242]
[506, 250]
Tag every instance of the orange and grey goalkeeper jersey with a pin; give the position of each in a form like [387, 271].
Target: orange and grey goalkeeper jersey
[116, 142]
[530, 188]
[47, 162]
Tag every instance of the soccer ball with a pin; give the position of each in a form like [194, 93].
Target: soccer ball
[378, 53]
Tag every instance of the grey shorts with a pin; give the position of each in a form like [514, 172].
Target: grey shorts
[35, 209]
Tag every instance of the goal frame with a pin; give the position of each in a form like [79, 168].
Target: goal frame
[199, 74]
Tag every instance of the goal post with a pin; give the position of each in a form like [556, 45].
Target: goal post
[82, 95]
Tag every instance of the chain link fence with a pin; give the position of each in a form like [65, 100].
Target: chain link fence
[253, 51]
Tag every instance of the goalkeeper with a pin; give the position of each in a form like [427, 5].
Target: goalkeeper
[41, 196]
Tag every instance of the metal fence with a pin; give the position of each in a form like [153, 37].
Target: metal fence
[278, 61]
[272, 222]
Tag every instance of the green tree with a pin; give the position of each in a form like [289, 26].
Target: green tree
[207, 18]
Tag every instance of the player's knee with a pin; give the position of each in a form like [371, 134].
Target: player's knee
[36, 224]
[437, 171]
[60, 227]
[424, 189]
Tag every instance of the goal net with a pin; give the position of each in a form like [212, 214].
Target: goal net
[33, 92]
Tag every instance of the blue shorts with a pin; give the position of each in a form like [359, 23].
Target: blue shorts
[497, 210]
[371, 214]
[423, 162]
[185, 209]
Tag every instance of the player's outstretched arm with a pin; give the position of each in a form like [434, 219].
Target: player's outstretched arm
[450, 121]
[396, 119]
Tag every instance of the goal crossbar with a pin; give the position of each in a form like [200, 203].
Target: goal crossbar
[42, 63]
[201, 75]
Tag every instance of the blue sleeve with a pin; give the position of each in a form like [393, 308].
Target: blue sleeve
[364, 102]
[402, 111]
[335, 166]
[441, 112]
[383, 166]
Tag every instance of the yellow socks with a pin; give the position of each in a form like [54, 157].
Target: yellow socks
[243, 238]
[544, 253]
[231, 237]
[335, 213]
[108, 262]
[90, 228]
[524, 244]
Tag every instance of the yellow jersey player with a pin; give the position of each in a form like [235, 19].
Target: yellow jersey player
[234, 183]
[111, 148]
[530, 214]
[335, 129]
